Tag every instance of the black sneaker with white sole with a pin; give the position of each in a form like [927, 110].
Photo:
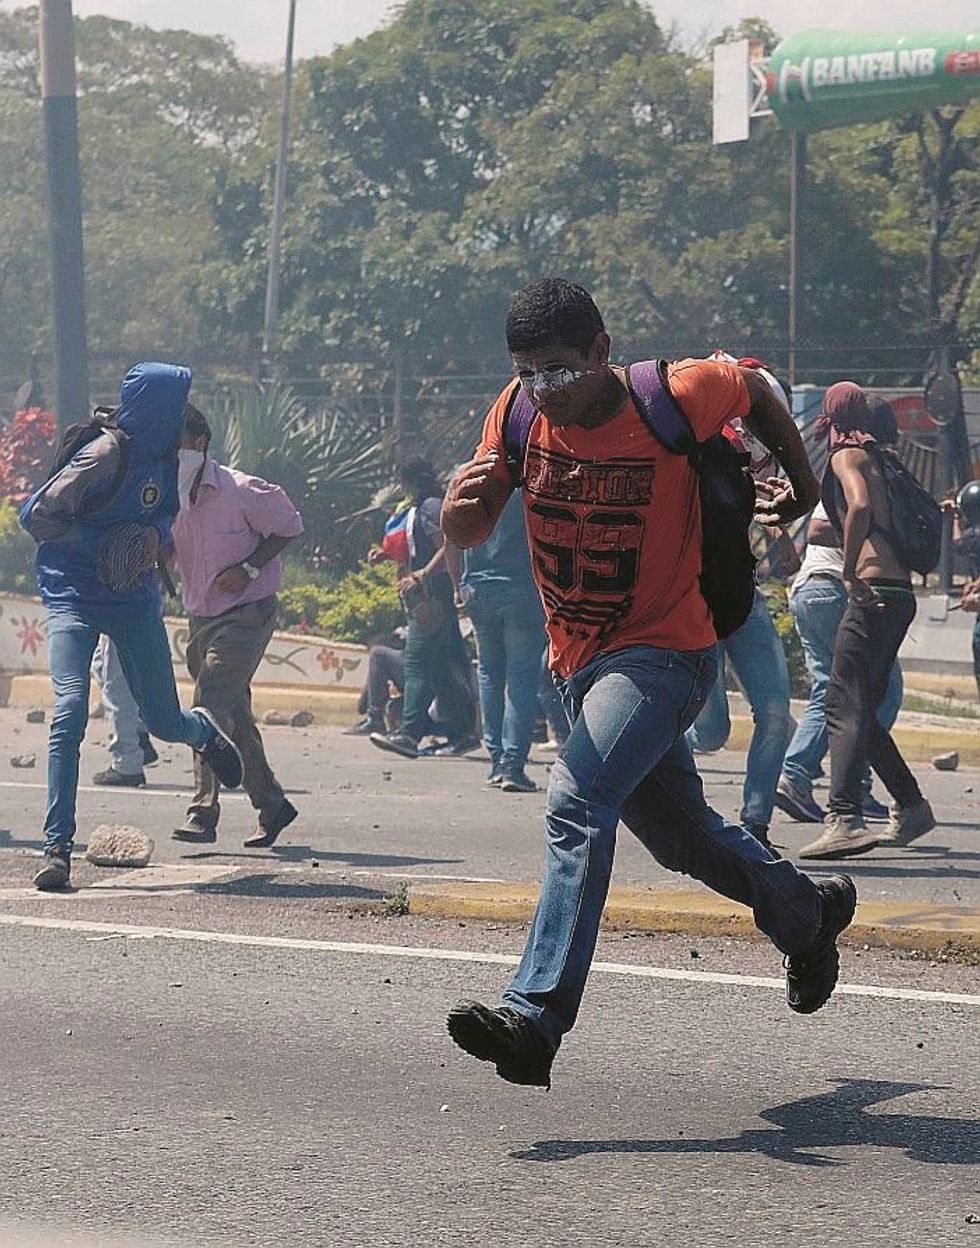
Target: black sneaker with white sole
[221, 754]
[518, 782]
[505, 1037]
[811, 976]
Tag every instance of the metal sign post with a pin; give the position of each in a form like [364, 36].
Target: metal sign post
[271, 318]
[58, 92]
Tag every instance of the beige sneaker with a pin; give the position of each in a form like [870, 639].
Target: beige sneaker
[843, 836]
[907, 823]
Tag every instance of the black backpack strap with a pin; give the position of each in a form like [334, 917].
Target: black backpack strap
[647, 384]
[519, 416]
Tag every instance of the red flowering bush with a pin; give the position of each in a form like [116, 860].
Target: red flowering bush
[26, 446]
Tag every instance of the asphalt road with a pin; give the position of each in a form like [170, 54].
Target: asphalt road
[365, 811]
[239, 1057]
[192, 1093]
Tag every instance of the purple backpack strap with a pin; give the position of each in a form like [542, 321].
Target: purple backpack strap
[518, 419]
[658, 407]
[648, 389]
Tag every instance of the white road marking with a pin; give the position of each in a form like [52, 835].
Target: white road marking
[109, 791]
[427, 953]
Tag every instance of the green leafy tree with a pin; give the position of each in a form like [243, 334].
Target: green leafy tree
[163, 115]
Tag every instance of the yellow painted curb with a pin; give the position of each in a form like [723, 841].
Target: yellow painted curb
[328, 706]
[900, 925]
[918, 743]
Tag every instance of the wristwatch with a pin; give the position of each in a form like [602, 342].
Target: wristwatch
[250, 570]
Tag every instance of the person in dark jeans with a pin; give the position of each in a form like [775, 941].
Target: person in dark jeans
[498, 592]
[386, 667]
[880, 608]
[436, 662]
[967, 530]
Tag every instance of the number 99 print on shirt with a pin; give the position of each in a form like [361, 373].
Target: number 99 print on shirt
[614, 521]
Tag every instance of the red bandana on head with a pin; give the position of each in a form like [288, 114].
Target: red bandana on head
[845, 415]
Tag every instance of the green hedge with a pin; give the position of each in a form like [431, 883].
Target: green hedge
[17, 551]
[362, 606]
[776, 600]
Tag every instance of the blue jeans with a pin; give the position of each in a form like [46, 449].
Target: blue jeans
[552, 707]
[626, 757]
[757, 655]
[125, 725]
[817, 608]
[144, 653]
[510, 639]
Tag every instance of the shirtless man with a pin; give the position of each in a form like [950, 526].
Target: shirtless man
[880, 608]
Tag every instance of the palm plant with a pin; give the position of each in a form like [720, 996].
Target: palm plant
[328, 461]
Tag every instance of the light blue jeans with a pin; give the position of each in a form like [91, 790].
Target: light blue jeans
[510, 640]
[144, 653]
[757, 655]
[125, 724]
[626, 757]
[817, 608]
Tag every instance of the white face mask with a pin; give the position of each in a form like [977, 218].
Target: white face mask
[545, 383]
[188, 466]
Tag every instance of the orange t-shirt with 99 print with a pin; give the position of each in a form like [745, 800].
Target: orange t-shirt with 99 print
[614, 521]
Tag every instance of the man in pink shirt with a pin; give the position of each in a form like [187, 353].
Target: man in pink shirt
[228, 535]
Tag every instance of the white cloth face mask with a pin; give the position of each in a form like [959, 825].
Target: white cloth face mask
[189, 464]
[547, 382]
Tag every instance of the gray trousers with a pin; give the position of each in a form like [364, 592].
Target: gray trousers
[125, 724]
[223, 652]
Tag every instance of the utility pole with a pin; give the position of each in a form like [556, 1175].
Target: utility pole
[797, 196]
[58, 92]
[279, 198]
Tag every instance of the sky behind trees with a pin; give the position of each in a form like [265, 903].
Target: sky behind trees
[257, 26]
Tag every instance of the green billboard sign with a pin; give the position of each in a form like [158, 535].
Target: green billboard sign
[819, 79]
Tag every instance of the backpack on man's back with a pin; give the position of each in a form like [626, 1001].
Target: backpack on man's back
[916, 529]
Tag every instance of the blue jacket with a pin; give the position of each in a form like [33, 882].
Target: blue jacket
[64, 516]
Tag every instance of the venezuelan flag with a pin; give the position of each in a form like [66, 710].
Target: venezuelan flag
[396, 542]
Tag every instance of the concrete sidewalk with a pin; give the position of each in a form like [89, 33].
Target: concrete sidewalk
[898, 925]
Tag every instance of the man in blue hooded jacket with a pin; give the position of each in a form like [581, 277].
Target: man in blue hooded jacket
[83, 520]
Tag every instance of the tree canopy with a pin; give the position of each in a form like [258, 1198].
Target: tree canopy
[446, 159]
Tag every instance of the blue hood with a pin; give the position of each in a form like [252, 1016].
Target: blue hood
[152, 410]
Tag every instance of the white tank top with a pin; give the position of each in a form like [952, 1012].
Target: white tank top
[827, 560]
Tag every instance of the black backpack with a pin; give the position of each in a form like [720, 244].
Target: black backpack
[79, 435]
[916, 531]
[726, 488]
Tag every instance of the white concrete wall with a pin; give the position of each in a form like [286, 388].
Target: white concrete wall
[291, 659]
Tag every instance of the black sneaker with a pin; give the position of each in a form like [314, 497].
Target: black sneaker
[396, 743]
[267, 833]
[221, 754]
[55, 873]
[364, 727]
[518, 782]
[116, 779]
[812, 975]
[505, 1037]
[150, 756]
[795, 802]
[457, 747]
[195, 831]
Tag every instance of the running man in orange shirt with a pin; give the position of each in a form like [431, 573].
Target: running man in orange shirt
[614, 524]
